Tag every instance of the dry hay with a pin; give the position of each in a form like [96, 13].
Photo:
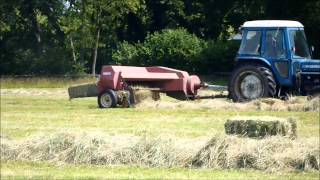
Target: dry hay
[261, 126]
[96, 148]
[264, 104]
[83, 90]
[270, 154]
[293, 103]
[144, 100]
[36, 92]
[141, 95]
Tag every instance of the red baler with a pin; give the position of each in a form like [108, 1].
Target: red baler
[116, 84]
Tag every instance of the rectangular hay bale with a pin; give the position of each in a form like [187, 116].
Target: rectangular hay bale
[83, 90]
[261, 127]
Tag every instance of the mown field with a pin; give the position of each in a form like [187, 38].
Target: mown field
[39, 112]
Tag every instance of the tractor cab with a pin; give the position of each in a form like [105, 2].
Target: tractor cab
[273, 58]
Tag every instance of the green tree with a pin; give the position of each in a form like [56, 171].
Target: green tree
[95, 17]
[173, 48]
[74, 36]
[30, 36]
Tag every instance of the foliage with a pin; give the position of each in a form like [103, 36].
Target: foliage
[178, 49]
[218, 56]
[173, 48]
[127, 54]
[79, 36]
[57, 37]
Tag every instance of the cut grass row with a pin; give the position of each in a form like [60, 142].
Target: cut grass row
[43, 82]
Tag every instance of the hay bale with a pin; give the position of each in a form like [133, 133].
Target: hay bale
[83, 90]
[260, 127]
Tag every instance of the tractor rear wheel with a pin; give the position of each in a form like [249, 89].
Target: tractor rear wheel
[249, 82]
[108, 99]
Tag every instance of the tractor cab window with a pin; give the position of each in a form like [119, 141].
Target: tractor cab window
[275, 44]
[251, 43]
[299, 46]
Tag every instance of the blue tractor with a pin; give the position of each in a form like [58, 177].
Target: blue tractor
[273, 59]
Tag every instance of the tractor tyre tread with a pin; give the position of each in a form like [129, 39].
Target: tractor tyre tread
[266, 76]
[113, 96]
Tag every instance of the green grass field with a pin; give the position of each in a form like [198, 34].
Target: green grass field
[28, 170]
[43, 82]
[29, 112]
[26, 115]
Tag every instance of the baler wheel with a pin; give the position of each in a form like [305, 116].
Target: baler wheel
[250, 82]
[108, 99]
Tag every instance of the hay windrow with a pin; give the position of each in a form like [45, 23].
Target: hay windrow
[264, 104]
[36, 92]
[146, 99]
[221, 152]
[270, 154]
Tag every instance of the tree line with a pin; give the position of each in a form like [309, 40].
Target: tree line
[79, 36]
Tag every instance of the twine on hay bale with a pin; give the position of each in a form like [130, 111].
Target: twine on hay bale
[261, 127]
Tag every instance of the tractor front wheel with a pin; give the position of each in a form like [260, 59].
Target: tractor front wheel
[250, 82]
[108, 99]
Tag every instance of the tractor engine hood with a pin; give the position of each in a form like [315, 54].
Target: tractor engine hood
[310, 66]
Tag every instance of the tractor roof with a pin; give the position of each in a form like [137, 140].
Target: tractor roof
[272, 23]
